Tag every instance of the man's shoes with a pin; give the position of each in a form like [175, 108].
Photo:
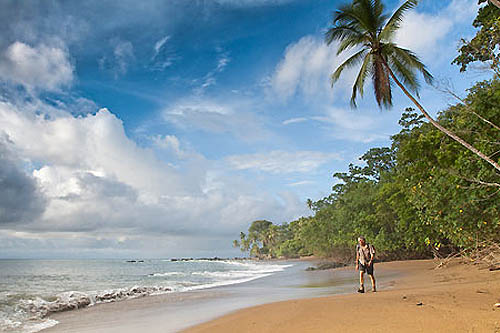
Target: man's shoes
[361, 290]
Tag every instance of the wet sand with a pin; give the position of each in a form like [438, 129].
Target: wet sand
[458, 298]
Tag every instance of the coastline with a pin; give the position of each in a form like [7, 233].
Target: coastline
[456, 298]
[175, 311]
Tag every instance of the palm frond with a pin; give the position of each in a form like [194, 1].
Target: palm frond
[359, 84]
[340, 33]
[349, 43]
[405, 73]
[353, 16]
[412, 60]
[394, 22]
[351, 62]
[366, 11]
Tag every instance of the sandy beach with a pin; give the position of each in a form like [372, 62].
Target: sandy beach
[457, 298]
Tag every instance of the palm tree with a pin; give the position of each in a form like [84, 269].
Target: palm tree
[364, 25]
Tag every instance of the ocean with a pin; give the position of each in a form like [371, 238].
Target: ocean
[31, 290]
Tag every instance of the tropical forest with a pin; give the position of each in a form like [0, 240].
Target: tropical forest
[435, 189]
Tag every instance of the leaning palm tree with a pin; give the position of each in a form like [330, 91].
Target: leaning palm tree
[365, 26]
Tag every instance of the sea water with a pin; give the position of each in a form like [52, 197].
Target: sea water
[30, 290]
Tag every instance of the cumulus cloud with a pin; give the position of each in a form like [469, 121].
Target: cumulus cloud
[97, 181]
[169, 142]
[279, 162]
[41, 67]
[20, 198]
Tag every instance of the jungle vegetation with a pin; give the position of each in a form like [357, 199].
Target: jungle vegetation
[423, 193]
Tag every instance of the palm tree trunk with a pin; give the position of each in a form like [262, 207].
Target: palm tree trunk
[438, 125]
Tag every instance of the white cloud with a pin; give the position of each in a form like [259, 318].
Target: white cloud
[162, 56]
[169, 142]
[300, 183]
[279, 162]
[41, 67]
[422, 33]
[94, 180]
[294, 120]
[306, 68]
[209, 79]
[123, 55]
[159, 45]
[430, 35]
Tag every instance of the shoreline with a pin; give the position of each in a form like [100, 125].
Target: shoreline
[171, 312]
[456, 298]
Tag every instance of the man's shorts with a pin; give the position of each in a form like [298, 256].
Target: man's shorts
[368, 269]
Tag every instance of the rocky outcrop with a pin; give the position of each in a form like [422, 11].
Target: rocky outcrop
[325, 266]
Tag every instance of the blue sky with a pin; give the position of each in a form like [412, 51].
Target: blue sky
[163, 128]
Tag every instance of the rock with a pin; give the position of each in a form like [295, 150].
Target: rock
[497, 305]
[325, 266]
[420, 304]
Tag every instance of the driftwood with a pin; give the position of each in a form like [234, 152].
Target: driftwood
[485, 254]
[496, 268]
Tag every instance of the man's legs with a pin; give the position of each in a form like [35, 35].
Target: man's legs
[374, 288]
[361, 280]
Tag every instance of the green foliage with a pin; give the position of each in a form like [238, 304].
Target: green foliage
[485, 45]
[423, 192]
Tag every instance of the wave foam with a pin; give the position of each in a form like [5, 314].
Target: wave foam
[72, 300]
[168, 274]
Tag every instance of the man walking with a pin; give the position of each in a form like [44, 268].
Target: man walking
[365, 254]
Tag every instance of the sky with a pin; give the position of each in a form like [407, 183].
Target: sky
[160, 129]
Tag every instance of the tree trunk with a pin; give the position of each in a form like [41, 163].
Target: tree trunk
[495, 3]
[438, 125]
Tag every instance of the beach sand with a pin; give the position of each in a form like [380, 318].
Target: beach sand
[456, 298]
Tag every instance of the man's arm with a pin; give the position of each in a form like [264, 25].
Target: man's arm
[372, 254]
[357, 258]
